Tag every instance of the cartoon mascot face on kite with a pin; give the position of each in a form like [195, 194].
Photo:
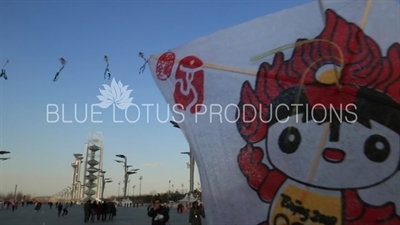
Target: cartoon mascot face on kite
[338, 87]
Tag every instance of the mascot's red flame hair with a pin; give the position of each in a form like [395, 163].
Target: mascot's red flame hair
[363, 66]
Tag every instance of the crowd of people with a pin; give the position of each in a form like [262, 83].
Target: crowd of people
[106, 210]
[14, 204]
[9, 204]
[100, 210]
[159, 213]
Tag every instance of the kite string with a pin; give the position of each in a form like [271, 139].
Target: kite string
[5, 64]
[322, 9]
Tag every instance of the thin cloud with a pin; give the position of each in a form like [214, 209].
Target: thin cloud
[151, 164]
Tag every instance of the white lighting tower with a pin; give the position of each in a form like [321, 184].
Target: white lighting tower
[93, 164]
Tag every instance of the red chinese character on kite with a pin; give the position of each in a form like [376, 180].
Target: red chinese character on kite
[360, 148]
[107, 71]
[189, 86]
[164, 65]
[3, 71]
[63, 62]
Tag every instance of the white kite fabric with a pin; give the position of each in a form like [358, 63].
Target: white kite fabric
[306, 134]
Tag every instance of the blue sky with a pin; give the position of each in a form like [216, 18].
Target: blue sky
[35, 34]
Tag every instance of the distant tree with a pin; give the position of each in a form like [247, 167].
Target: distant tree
[146, 199]
[10, 196]
[28, 197]
[112, 197]
[19, 196]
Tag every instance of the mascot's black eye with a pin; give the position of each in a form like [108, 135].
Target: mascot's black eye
[377, 148]
[289, 140]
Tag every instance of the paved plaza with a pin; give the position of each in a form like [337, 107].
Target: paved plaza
[47, 216]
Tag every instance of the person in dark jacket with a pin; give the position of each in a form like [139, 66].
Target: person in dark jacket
[112, 210]
[93, 209]
[104, 211]
[87, 210]
[98, 211]
[159, 215]
[60, 207]
[195, 214]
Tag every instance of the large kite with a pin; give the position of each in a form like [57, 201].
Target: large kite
[63, 62]
[3, 71]
[306, 133]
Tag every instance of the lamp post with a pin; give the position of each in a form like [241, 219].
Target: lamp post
[103, 183]
[73, 190]
[191, 166]
[182, 188]
[105, 180]
[128, 186]
[119, 187]
[78, 191]
[140, 185]
[126, 172]
[3, 159]
[173, 192]
[70, 193]
[169, 188]
[133, 190]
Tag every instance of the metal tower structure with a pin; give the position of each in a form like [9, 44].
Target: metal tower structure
[93, 165]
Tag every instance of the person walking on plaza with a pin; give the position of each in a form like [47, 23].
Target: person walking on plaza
[112, 210]
[93, 209]
[87, 211]
[13, 206]
[104, 211]
[195, 214]
[159, 215]
[98, 211]
[60, 207]
[65, 210]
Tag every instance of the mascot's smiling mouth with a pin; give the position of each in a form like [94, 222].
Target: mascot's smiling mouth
[333, 155]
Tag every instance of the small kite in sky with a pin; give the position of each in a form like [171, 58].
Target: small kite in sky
[63, 62]
[107, 71]
[3, 71]
[141, 55]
